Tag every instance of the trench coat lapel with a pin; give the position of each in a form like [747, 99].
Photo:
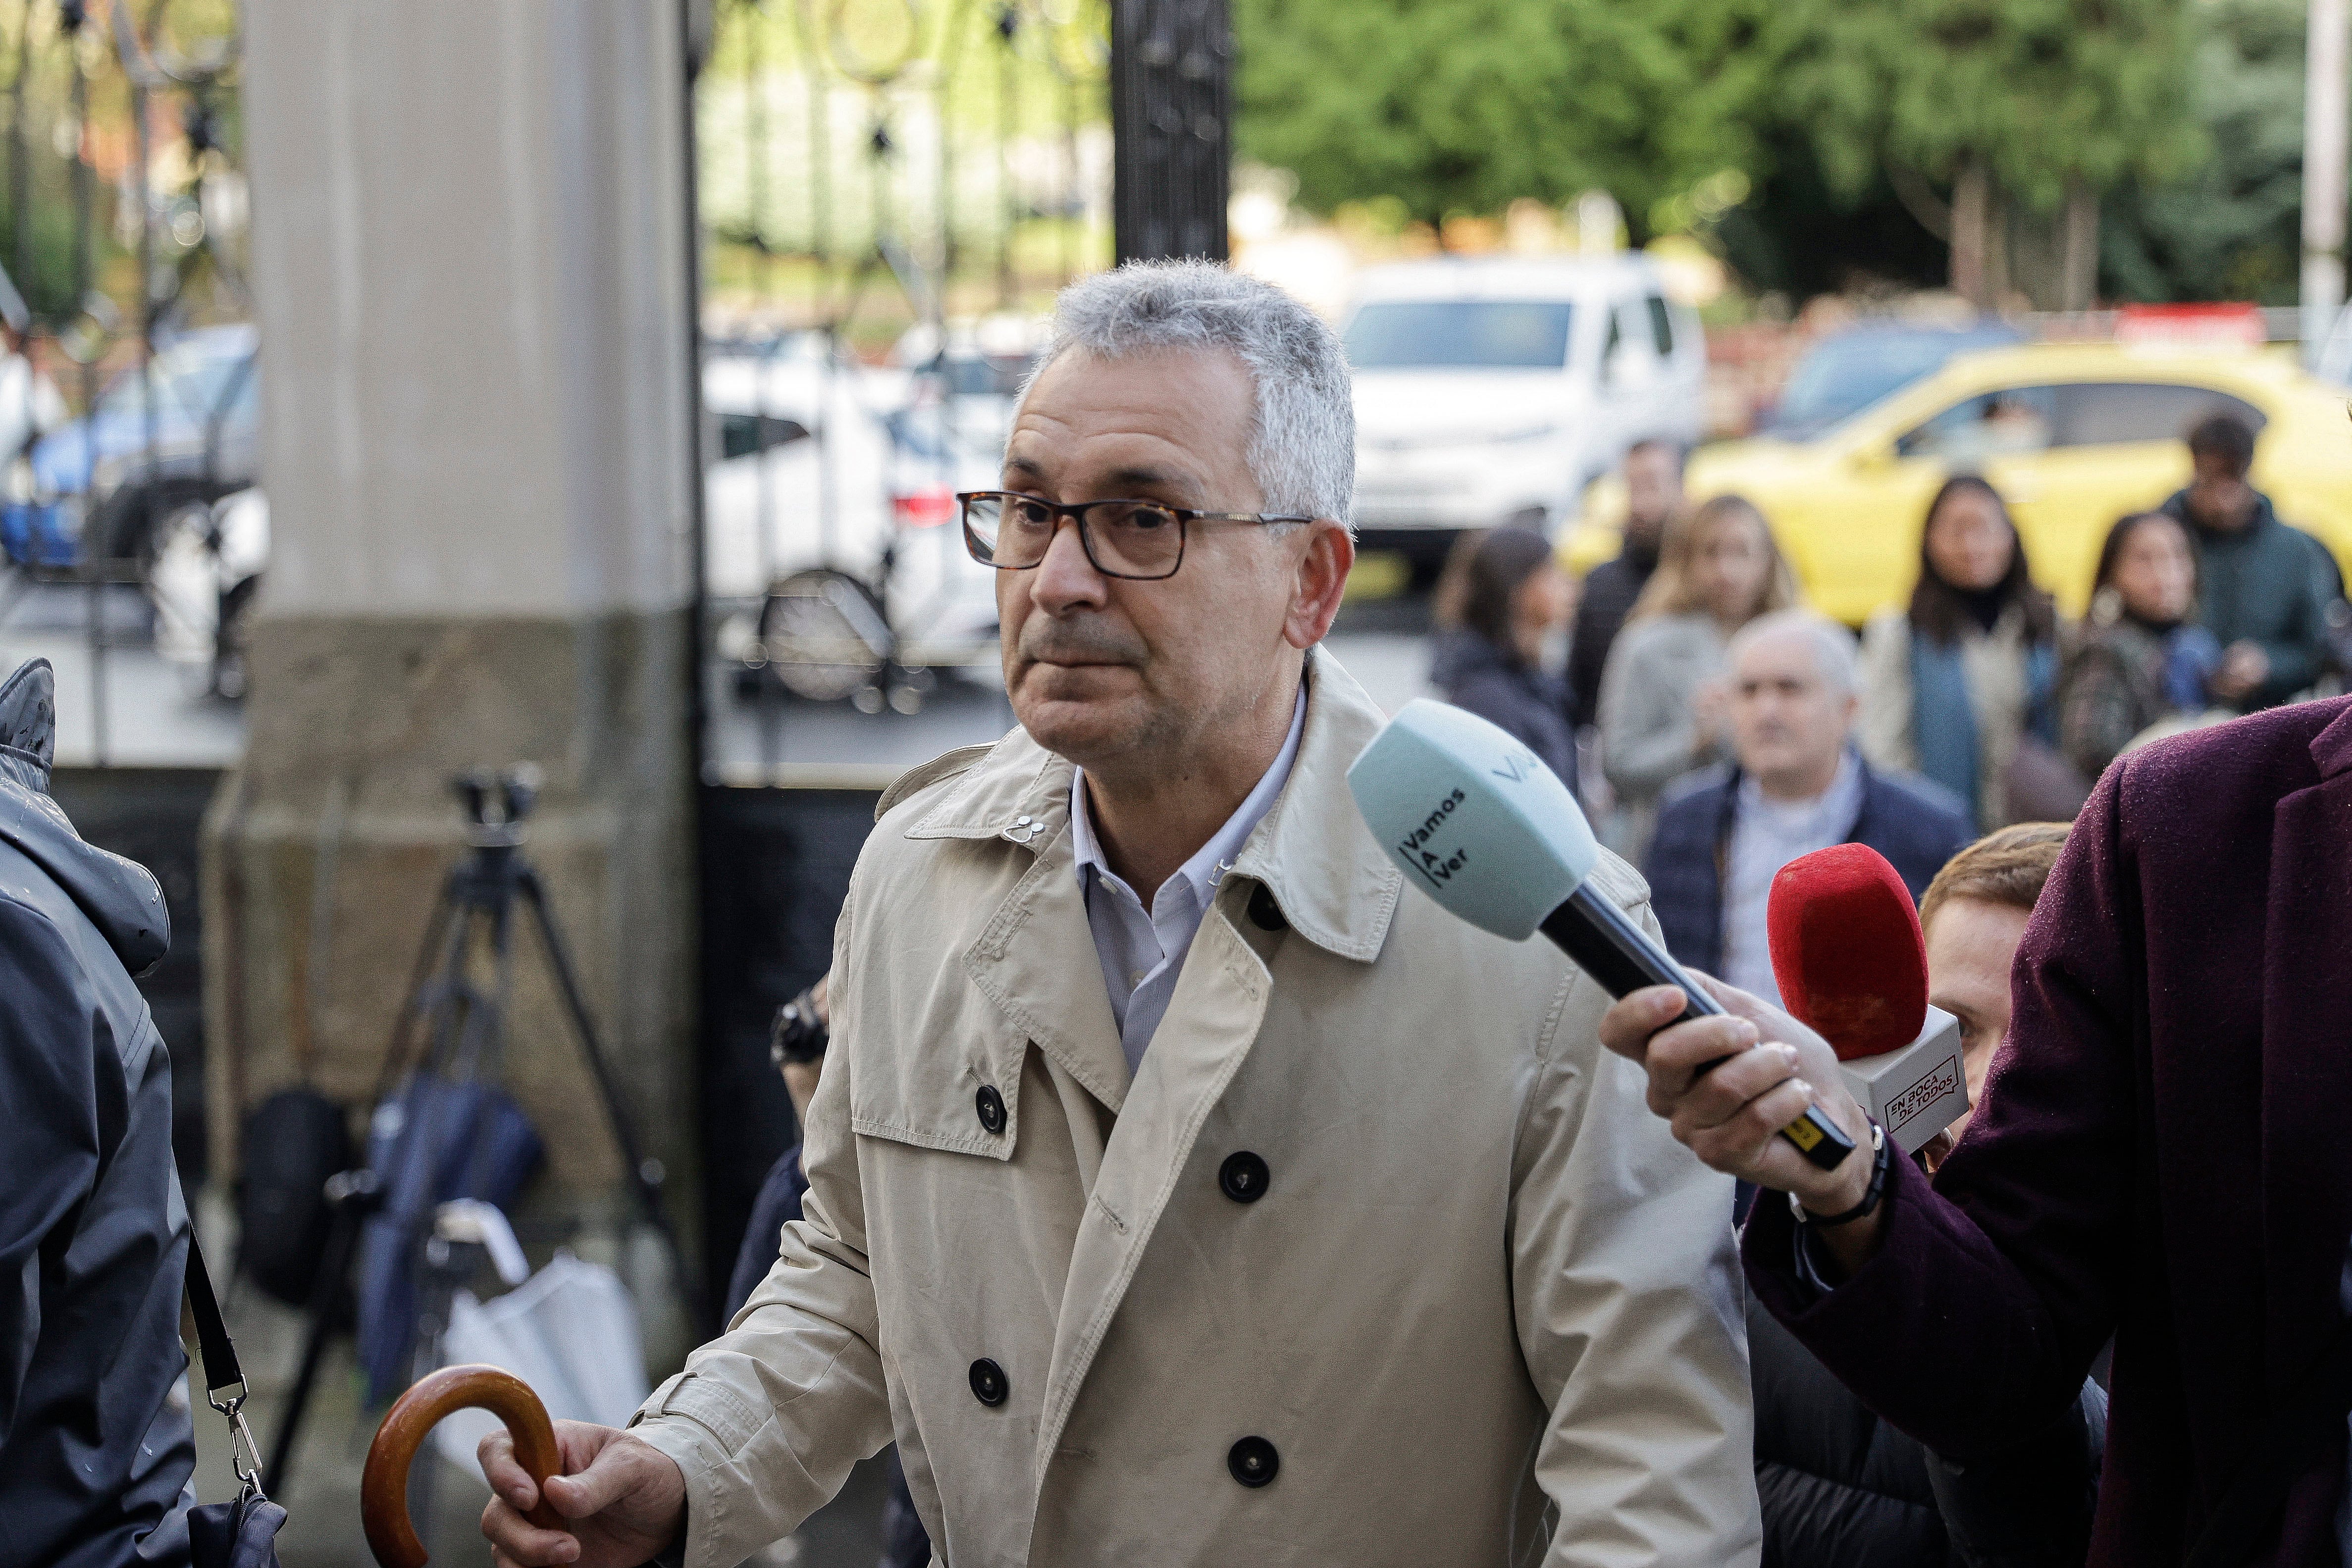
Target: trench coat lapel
[2308, 1061]
[1036, 961]
[1035, 958]
[1213, 1020]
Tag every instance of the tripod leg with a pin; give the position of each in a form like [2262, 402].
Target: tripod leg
[325, 1293]
[395, 1050]
[642, 1176]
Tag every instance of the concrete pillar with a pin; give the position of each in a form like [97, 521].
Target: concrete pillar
[471, 270]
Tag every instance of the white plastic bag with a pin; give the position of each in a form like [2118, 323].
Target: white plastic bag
[569, 1331]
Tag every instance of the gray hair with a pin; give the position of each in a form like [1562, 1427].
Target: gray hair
[1302, 449]
[1832, 645]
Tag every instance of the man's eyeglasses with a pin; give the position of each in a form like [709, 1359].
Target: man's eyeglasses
[1140, 540]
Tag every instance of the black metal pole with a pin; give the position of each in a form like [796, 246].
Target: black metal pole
[20, 168]
[697, 715]
[1171, 119]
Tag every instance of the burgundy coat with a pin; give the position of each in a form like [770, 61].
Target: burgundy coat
[2164, 1152]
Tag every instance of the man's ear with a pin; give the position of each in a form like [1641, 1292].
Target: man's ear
[1320, 580]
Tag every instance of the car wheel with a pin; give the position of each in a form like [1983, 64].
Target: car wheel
[824, 635]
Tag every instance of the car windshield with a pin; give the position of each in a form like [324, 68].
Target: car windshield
[1460, 334]
[986, 375]
[1845, 374]
[192, 382]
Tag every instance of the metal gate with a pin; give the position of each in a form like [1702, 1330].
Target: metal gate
[128, 412]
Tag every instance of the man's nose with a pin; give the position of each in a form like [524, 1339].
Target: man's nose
[1065, 579]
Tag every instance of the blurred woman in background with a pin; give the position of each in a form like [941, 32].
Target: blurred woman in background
[1664, 703]
[1500, 604]
[2139, 661]
[1961, 687]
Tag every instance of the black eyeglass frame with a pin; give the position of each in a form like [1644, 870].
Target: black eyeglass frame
[1077, 512]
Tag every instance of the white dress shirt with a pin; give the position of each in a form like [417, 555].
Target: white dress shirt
[1766, 835]
[1141, 951]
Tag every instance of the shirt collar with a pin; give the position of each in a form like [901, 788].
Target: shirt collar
[1845, 795]
[1330, 879]
[1213, 860]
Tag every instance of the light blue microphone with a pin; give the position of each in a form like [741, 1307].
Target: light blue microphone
[1480, 825]
[1475, 819]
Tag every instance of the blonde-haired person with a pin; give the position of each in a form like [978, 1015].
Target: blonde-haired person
[1664, 707]
[1973, 915]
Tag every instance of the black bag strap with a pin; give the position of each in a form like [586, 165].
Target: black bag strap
[2275, 1462]
[224, 1378]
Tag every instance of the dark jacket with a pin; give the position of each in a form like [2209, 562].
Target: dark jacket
[1530, 705]
[1914, 824]
[2160, 1154]
[2113, 688]
[95, 1452]
[1842, 1489]
[2266, 584]
[1609, 591]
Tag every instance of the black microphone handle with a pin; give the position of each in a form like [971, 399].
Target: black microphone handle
[1601, 941]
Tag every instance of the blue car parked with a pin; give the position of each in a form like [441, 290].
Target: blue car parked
[104, 484]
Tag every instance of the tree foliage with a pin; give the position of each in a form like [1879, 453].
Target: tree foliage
[2041, 92]
[1465, 105]
[2231, 227]
[1468, 104]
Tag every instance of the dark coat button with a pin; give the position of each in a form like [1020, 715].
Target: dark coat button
[991, 1106]
[1252, 1462]
[1264, 913]
[1243, 1177]
[988, 1382]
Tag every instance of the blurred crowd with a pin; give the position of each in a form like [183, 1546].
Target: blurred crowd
[1716, 728]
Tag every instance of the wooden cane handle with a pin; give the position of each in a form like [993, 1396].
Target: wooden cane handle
[384, 1484]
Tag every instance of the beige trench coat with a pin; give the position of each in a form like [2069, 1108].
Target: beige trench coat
[1483, 1310]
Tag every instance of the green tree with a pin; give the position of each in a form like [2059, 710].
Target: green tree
[1466, 105]
[2037, 101]
[2232, 227]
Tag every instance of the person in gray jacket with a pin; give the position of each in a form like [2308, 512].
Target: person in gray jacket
[96, 1445]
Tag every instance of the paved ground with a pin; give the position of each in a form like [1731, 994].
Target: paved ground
[146, 712]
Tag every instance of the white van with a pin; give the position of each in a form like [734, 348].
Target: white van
[1491, 390]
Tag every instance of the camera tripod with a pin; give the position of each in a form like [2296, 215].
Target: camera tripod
[458, 1014]
[482, 890]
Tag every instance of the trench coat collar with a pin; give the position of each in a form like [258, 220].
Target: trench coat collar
[1332, 882]
[2307, 1167]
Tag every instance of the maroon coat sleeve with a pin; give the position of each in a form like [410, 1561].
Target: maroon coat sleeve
[1979, 1315]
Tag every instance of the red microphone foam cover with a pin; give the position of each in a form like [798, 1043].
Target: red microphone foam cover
[1847, 952]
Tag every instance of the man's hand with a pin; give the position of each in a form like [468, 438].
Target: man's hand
[1731, 1116]
[2244, 668]
[1710, 716]
[625, 1498]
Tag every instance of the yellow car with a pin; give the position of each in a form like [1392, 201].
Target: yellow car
[2073, 435]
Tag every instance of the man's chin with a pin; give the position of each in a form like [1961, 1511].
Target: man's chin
[1076, 711]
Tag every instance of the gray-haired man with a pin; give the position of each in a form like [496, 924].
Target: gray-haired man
[1798, 785]
[1181, 1190]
